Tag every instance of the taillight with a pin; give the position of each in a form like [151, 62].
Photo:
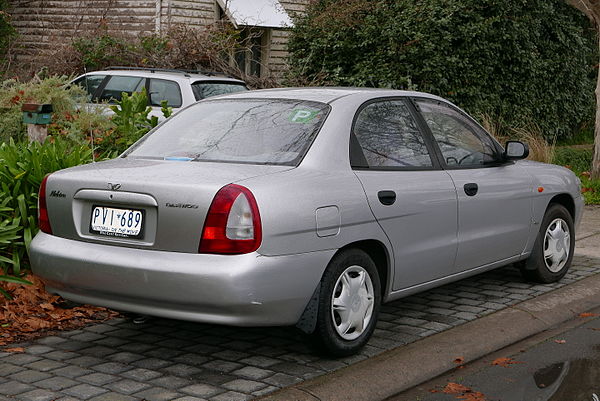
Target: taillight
[43, 220]
[232, 225]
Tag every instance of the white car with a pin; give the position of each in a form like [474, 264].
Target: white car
[179, 88]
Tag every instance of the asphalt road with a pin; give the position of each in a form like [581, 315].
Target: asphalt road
[560, 365]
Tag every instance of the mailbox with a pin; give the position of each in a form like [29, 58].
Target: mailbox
[38, 114]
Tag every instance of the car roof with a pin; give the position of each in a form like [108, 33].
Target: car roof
[326, 94]
[172, 75]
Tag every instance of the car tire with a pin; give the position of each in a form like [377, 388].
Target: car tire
[349, 302]
[553, 249]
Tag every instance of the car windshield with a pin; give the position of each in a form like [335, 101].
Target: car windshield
[257, 131]
[203, 89]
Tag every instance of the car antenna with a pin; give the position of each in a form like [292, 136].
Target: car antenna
[87, 90]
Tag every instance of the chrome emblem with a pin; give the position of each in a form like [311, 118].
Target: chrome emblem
[114, 187]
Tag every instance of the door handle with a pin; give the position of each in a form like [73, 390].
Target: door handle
[471, 189]
[387, 197]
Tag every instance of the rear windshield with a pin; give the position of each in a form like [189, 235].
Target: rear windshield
[256, 131]
[202, 90]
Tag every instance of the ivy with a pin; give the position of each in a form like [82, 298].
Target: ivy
[516, 61]
[6, 29]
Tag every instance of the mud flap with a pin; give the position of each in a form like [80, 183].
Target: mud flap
[308, 321]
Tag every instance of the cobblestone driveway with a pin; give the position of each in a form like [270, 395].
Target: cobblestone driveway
[173, 360]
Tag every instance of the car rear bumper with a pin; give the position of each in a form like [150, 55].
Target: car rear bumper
[242, 290]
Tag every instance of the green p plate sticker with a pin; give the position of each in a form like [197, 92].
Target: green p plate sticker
[302, 116]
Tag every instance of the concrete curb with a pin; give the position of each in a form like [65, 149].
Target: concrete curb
[407, 366]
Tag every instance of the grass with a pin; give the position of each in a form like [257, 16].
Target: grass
[584, 137]
[590, 189]
[539, 149]
[579, 159]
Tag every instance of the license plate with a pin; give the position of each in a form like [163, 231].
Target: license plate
[117, 222]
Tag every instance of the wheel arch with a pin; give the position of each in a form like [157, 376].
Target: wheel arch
[566, 200]
[380, 255]
[382, 258]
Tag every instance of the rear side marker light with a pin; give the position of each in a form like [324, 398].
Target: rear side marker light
[232, 225]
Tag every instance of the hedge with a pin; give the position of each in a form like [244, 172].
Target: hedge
[516, 61]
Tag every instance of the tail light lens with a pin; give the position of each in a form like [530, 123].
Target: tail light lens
[43, 220]
[232, 225]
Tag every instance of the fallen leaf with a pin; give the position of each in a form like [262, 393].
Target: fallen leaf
[463, 392]
[47, 306]
[595, 328]
[474, 396]
[560, 341]
[588, 314]
[459, 360]
[15, 349]
[504, 362]
[34, 312]
[455, 388]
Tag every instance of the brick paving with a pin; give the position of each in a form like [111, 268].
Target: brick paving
[173, 360]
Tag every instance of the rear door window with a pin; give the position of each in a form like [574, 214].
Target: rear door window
[389, 137]
[204, 89]
[117, 84]
[90, 83]
[162, 89]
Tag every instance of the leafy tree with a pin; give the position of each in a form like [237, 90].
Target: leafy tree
[591, 8]
[515, 61]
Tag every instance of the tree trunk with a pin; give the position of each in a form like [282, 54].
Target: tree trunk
[596, 159]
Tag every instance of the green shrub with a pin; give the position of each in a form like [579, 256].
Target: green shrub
[590, 189]
[513, 60]
[70, 119]
[578, 159]
[22, 167]
[99, 52]
[132, 121]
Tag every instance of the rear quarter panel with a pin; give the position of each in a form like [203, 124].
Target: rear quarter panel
[288, 204]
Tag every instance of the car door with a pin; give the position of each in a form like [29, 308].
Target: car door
[90, 83]
[112, 90]
[163, 90]
[411, 197]
[494, 197]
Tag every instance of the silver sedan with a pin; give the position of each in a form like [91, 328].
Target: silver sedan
[306, 207]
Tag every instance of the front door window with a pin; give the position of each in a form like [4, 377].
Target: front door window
[459, 139]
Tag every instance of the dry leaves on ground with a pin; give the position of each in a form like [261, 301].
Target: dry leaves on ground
[560, 341]
[33, 312]
[463, 392]
[15, 349]
[588, 314]
[460, 360]
[504, 362]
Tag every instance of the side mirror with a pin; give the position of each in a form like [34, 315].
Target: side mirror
[516, 150]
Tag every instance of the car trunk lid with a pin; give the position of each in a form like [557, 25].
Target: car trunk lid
[169, 200]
